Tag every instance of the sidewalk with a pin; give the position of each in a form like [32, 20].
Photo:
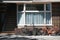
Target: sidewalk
[19, 37]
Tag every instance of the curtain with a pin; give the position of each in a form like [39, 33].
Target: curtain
[34, 17]
[48, 18]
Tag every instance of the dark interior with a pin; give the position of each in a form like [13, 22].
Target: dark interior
[7, 17]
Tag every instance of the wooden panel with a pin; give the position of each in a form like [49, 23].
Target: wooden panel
[56, 13]
[11, 17]
[9, 22]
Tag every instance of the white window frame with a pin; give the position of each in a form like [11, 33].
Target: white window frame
[24, 11]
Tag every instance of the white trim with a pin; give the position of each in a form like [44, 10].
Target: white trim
[35, 24]
[33, 11]
[31, 1]
[44, 13]
[51, 11]
[17, 1]
[24, 12]
[21, 25]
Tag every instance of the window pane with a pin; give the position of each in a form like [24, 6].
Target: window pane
[48, 18]
[28, 18]
[20, 7]
[39, 7]
[39, 18]
[48, 7]
[34, 18]
[20, 18]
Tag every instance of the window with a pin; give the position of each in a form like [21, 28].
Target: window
[48, 7]
[35, 7]
[48, 18]
[37, 14]
[20, 7]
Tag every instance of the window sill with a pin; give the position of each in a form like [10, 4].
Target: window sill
[35, 25]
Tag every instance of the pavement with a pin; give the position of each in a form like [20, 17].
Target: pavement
[19, 37]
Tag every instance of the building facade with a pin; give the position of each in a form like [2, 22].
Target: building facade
[28, 14]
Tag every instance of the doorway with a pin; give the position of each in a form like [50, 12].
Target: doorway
[8, 18]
